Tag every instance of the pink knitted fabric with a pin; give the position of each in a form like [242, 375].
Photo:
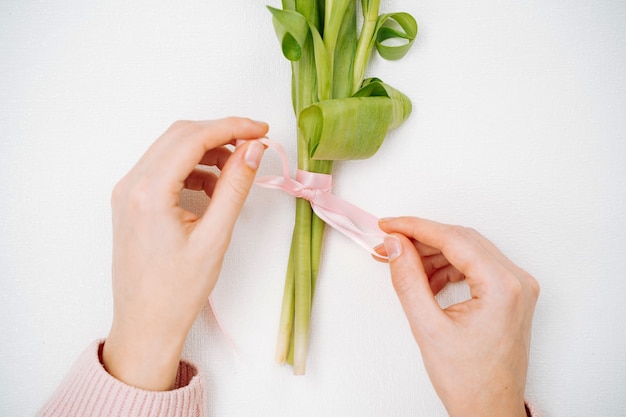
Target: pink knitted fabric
[90, 391]
[531, 410]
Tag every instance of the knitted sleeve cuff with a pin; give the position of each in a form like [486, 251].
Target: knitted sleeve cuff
[531, 410]
[89, 390]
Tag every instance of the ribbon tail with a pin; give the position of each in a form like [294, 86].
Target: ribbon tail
[229, 339]
[354, 222]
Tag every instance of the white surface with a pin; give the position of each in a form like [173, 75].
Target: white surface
[519, 130]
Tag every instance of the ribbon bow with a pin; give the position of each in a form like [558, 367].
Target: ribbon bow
[352, 221]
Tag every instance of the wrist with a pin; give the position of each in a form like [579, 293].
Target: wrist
[487, 403]
[518, 409]
[142, 360]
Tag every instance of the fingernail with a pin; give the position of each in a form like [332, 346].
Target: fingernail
[393, 247]
[260, 123]
[385, 219]
[253, 154]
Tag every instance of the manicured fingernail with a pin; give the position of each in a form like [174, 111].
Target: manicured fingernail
[253, 154]
[260, 123]
[385, 219]
[393, 247]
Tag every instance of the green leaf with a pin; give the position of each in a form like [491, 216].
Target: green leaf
[321, 10]
[292, 30]
[395, 26]
[289, 4]
[310, 10]
[400, 104]
[355, 127]
[322, 65]
[344, 52]
[304, 79]
[344, 129]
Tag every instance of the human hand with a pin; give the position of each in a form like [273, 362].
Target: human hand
[475, 352]
[166, 260]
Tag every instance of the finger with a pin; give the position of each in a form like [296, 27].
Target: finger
[230, 193]
[441, 277]
[216, 157]
[436, 267]
[380, 250]
[424, 250]
[433, 262]
[175, 154]
[411, 284]
[202, 137]
[458, 246]
[201, 180]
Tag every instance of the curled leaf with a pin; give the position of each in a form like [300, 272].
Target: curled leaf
[395, 26]
[292, 30]
[400, 104]
[354, 127]
[344, 129]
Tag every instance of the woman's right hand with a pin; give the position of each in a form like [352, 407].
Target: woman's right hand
[166, 260]
[475, 352]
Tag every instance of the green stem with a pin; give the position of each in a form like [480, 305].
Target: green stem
[285, 327]
[317, 236]
[333, 19]
[307, 242]
[317, 225]
[302, 282]
[290, 354]
[365, 44]
[304, 79]
[308, 231]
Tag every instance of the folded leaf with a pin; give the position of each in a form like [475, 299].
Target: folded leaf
[344, 129]
[355, 127]
[292, 30]
[401, 104]
[395, 26]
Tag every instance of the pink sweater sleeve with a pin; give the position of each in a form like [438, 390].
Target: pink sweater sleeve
[531, 410]
[90, 391]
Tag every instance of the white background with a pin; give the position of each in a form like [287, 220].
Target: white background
[518, 129]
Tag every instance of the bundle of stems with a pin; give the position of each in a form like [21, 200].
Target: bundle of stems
[340, 116]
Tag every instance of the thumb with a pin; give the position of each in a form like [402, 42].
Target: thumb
[411, 284]
[230, 193]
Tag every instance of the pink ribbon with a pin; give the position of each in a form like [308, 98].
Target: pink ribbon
[352, 221]
[355, 223]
